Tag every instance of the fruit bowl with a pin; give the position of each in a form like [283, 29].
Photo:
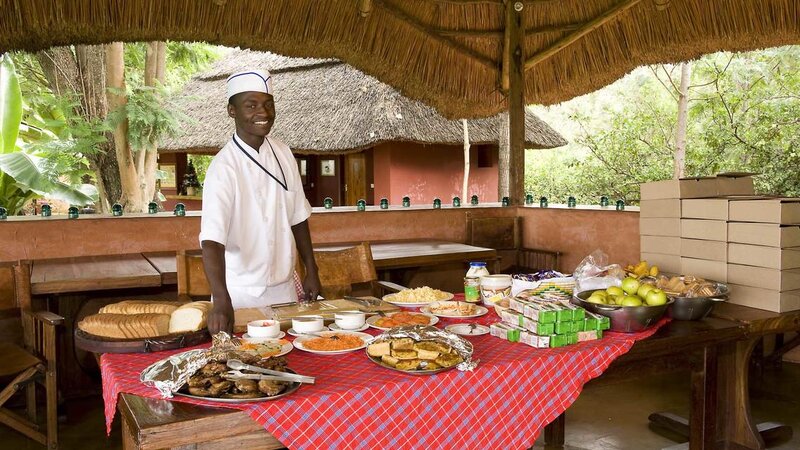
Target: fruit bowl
[626, 319]
[696, 308]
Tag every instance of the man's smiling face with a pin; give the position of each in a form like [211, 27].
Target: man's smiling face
[253, 112]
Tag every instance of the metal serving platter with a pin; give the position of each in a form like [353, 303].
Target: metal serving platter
[289, 390]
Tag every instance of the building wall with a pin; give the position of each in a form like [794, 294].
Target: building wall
[424, 172]
[574, 232]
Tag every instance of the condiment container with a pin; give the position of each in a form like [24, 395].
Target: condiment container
[495, 288]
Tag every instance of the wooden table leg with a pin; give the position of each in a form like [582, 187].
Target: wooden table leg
[128, 440]
[736, 426]
[703, 412]
[554, 433]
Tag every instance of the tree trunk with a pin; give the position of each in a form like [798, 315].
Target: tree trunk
[683, 112]
[465, 186]
[131, 198]
[504, 157]
[81, 74]
[155, 68]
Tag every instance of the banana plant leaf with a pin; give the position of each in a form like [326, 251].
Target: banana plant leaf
[28, 176]
[10, 105]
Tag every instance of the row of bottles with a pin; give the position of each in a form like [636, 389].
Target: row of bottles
[116, 210]
[361, 205]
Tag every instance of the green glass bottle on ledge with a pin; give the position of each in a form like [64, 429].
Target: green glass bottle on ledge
[73, 212]
[406, 202]
[384, 203]
[473, 200]
[328, 203]
[116, 210]
[571, 203]
[620, 205]
[456, 202]
[47, 211]
[180, 210]
[437, 204]
[542, 202]
[361, 205]
[505, 201]
[152, 208]
[529, 199]
[604, 201]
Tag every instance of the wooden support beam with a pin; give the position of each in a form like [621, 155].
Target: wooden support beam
[364, 7]
[587, 28]
[497, 34]
[513, 53]
[467, 52]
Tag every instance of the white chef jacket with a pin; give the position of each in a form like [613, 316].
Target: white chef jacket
[251, 214]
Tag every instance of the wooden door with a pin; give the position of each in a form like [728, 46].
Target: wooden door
[306, 165]
[355, 178]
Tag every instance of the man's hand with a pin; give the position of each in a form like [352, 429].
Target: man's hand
[311, 287]
[221, 318]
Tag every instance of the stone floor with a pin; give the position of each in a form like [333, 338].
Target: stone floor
[608, 417]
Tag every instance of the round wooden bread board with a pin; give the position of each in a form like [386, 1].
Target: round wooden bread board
[99, 344]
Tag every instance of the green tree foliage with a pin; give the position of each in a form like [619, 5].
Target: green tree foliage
[744, 115]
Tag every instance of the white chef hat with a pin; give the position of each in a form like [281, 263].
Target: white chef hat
[249, 81]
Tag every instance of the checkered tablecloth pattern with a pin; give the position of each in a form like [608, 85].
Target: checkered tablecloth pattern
[504, 403]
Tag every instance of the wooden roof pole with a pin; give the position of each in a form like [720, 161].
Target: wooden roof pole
[590, 26]
[447, 42]
[512, 53]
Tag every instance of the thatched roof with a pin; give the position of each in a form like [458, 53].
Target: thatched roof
[324, 105]
[448, 53]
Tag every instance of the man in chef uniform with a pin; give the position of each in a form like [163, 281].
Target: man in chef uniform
[255, 214]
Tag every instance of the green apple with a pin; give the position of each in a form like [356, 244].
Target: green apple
[594, 298]
[656, 297]
[603, 294]
[644, 289]
[631, 300]
[630, 285]
[615, 290]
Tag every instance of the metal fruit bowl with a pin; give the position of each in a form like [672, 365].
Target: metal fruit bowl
[626, 319]
[696, 308]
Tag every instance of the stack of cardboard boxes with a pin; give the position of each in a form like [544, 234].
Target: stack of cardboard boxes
[715, 228]
[676, 239]
[764, 253]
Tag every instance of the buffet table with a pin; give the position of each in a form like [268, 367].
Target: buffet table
[504, 403]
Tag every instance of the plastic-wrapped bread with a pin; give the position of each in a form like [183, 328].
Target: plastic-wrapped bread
[140, 307]
[189, 317]
[126, 326]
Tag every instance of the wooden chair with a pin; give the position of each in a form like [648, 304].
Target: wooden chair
[192, 281]
[349, 271]
[504, 234]
[32, 363]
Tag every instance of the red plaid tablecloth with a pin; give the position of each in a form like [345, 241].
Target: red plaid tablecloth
[504, 403]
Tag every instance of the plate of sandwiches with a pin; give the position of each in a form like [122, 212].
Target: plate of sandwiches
[413, 357]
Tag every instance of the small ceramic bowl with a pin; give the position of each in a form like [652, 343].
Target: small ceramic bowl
[264, 328]
[350, 320]
[307, 324]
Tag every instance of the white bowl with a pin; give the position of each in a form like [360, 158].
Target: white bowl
[307, 324]
[264, 328]
[350, 320]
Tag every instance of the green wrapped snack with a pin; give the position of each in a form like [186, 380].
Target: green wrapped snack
[591, 323]
[558, 340]
[563, 327]
[579, 325]
[572, 338]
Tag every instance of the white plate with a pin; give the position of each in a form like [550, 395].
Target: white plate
[298, 343]
[286, 347]
[334, 327]
[296, 334]
[432, 320]
[464, 329]
[256, 340]
[479, 311]
[389, 299]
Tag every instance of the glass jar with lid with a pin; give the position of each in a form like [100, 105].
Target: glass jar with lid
[477, 269]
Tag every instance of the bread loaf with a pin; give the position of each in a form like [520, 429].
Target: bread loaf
[126, 326]
[140, 307]
[189, 317]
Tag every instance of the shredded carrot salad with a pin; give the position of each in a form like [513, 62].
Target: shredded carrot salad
[334, 342]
